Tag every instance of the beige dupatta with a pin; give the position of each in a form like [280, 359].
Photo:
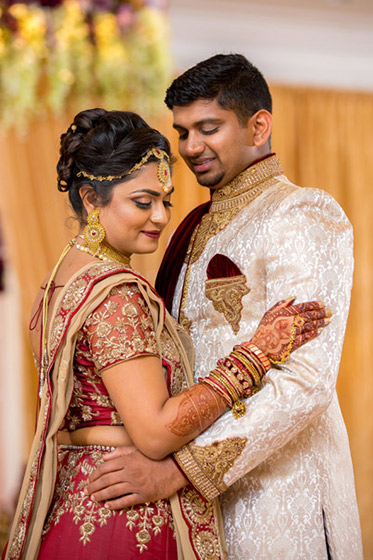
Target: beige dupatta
[80, 296]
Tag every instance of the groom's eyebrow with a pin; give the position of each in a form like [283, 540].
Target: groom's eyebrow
[207, 120]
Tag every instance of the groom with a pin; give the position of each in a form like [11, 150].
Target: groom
[259, 240]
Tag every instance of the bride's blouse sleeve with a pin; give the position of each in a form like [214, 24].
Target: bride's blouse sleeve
[120, 328]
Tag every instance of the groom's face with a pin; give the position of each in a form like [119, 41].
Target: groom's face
[212, 142]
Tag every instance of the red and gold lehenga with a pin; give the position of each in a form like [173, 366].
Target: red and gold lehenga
[104, 315]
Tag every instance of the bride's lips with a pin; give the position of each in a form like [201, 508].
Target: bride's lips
[154, 234]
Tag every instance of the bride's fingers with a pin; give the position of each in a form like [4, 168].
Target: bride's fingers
[313, 325]
[315, 315]
[305, 337]
[305, 307]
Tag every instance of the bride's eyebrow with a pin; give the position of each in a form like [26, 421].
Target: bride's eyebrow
[153, 193]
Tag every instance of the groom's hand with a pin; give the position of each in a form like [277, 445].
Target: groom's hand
[127, 477]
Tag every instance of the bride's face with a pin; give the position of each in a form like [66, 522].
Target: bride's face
[137, 213]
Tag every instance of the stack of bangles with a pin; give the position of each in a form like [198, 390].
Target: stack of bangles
[238, 375]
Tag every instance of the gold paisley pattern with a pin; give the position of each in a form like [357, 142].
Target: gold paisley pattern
[218, 458]
[226, 295]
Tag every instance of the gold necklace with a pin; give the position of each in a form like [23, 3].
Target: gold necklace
[105, 253]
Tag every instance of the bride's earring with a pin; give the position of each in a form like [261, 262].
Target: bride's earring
[94, 232]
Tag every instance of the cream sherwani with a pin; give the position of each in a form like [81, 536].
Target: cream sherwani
[284, 470]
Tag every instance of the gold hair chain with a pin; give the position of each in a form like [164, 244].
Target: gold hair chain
[163, 171]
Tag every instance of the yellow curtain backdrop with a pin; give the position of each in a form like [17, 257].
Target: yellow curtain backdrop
[324, 139]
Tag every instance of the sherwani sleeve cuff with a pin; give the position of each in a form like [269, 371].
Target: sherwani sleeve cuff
[195, 473]
[205, 466]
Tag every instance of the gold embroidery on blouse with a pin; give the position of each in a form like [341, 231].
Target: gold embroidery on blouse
[120, 329]
[73, 297]
[80, 409]
[226, 295]
[145, 520]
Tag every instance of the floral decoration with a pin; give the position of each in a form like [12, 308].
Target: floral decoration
[56, 54]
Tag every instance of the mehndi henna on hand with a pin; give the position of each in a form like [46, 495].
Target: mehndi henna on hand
[285, 327]
[198, 409]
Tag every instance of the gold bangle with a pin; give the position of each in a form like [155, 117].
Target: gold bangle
[249, 366]
[231, 378]
[238, 407]
[231, 391]
[217, 388]
[257, 351]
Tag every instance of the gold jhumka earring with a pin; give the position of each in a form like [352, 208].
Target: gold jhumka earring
[94, 232]
[94, 235]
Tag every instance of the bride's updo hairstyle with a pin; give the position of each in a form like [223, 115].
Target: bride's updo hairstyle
[103, 143]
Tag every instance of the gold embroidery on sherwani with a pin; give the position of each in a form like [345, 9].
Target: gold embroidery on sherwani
[206, 466]
[226, 295]
[218, 458]
[227, 202]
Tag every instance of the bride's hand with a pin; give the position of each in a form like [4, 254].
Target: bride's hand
[287, 326]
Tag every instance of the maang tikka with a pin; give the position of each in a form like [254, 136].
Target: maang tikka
[94, 232]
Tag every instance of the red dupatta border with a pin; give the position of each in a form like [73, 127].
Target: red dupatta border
[200, 517]
[75, 296]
